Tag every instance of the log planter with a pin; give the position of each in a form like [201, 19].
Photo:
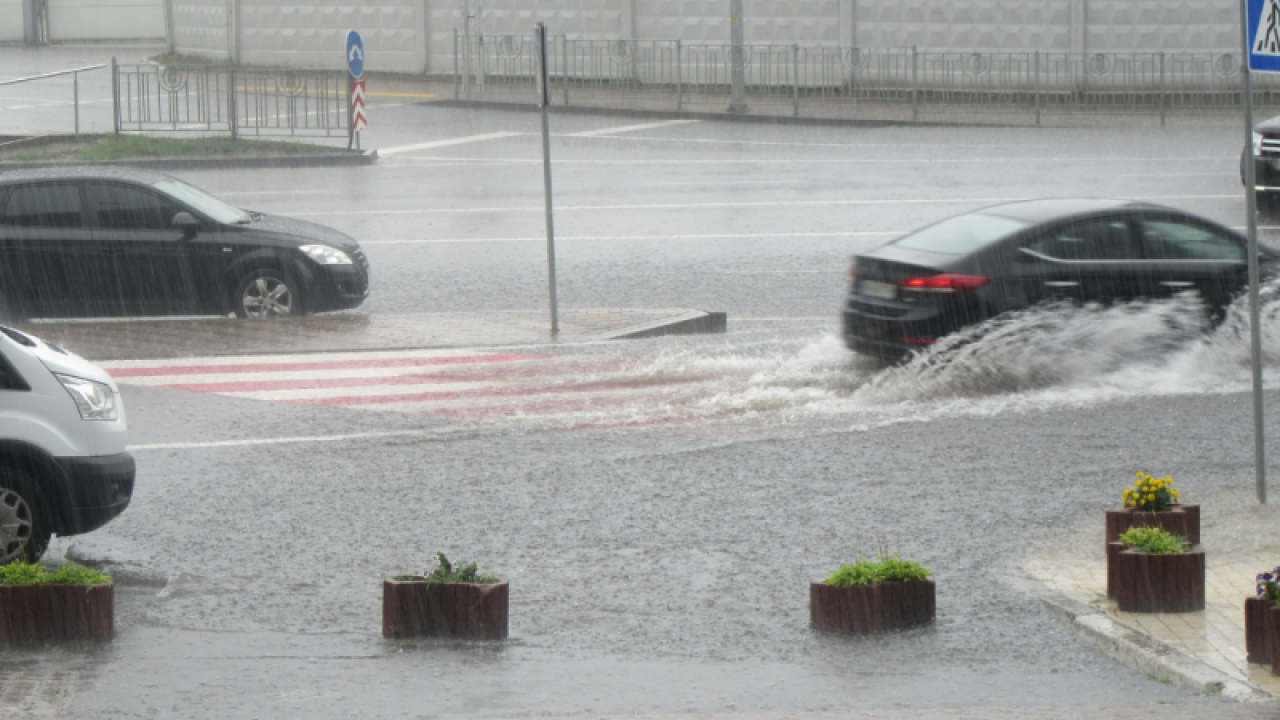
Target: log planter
[416, 608]
[1274, 632]
[1181, 520]
[1148, 582]
[864, 609]
[1258, 631]
[43, 613]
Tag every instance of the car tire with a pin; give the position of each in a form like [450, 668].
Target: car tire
[1267, 203]
[24, 525]
[268, 293]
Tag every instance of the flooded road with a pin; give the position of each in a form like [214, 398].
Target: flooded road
[660, 506]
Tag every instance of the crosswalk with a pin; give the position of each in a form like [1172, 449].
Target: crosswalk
[560, 390]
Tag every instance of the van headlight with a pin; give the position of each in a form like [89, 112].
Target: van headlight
[326, 255]
[94, 400]
[1257, 144]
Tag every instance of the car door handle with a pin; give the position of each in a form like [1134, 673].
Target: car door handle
[1061, 283]
[1177, 283]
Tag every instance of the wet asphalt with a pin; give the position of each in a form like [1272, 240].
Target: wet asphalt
[660, 570]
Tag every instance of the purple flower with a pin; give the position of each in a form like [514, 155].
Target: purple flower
[1265, 577]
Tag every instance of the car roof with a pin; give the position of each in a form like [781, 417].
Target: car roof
[1039, 211]
[80, 172]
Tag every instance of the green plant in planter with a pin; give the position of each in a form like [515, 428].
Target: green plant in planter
[1153, 540]
[22, 573]
[870, 572]
[1269, 586]
[447, 572]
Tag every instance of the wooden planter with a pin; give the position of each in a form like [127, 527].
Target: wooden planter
[1181, 520]
[413, 608]
[46, 613]
[872, 608]
[1146, 582]
[1258, 630]
[1273, 616]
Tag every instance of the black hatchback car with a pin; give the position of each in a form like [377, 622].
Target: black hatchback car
[83, 242]
[907, 294]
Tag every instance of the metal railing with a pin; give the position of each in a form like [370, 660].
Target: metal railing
[839, 81]
[235, 100]
[75, 85]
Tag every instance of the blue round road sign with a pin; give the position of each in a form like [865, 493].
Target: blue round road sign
[355, 54]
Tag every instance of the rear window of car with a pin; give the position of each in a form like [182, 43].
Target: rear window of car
[961, 235]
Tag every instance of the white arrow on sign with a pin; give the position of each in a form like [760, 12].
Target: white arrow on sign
[355, 53]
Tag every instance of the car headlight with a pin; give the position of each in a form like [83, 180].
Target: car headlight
[326, 255]
[94, 400]
[1257, 143]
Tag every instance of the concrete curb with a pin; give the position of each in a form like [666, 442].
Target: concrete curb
[695, 322]
[342, 158]
[718, 117]
[1147, 655]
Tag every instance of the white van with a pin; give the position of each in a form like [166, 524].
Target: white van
[63, 468]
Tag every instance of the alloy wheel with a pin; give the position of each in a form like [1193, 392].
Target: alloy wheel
[15, 526]
[267, 297]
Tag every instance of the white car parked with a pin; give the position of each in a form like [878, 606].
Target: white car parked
[63, 467]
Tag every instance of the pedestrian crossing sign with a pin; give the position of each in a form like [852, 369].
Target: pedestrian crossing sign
[1264, 35]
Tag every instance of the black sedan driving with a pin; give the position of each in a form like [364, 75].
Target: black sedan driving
[84, 242]
[907, 294]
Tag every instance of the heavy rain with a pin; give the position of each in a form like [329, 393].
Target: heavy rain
[660, 481]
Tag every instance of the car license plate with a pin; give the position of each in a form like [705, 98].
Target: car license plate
[885, 291]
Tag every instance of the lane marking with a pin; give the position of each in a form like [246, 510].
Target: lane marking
[292, 365]
[761, 203]
[601, 132]
[566, 238]
[443, 160]
[447, 143]
[426, 432]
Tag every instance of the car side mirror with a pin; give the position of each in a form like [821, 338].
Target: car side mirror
[187, 223]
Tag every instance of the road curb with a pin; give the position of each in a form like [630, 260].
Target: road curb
[337, 159]
[1145, 654]
[695, 322]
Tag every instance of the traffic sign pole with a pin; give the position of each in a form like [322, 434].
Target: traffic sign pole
[1254, 41]
[356, 114]
[544, 99]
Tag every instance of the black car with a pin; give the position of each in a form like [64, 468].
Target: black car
[81, 242]
[906, 295]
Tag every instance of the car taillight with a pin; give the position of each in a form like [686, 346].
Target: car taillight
[945, 283]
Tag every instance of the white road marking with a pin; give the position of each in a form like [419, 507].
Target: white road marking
[446, 143]
[565, 238]
[794, 160]
[755, 204]
[601, 132]
[426, 432]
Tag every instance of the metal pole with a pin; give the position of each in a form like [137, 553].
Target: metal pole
[1250, 203]
[455, 63]
[75, 98]
[544, 100]
[737, 59]
[915, 87]
[115, 95]
[795, 81]
[466, 52]
[679, 83]
[1037, 88]
[564, 60]
[1162, 103]
[231, 98]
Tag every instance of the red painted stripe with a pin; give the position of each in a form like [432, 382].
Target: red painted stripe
[302, 366]
[477, 375]
[601, 386]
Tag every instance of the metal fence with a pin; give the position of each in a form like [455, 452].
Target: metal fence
[834, 81]
[236, 100]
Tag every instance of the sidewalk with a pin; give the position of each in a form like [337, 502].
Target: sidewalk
[130, 339]
[1240, 539]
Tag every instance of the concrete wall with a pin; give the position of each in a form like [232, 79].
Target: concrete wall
[11, 21]
[410, 35]
[106, 20]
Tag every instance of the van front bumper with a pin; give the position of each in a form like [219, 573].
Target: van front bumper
[98, 489]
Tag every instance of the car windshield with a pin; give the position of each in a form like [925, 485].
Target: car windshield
[961, 235]
[202, 201]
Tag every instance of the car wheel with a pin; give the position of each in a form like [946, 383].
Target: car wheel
[1268, 204]
[267, 294]
[24, 532]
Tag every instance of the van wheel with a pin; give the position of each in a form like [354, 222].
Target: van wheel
[24, 532]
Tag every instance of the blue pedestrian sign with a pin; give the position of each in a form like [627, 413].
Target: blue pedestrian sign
[1264, 35]
[355, 54]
